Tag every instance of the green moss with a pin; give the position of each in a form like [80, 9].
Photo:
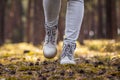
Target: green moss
[26, 77]
[26, 68]
[98, 78]
[11, 78]
[23, 68]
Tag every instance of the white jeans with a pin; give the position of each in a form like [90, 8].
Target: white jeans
[74, 17]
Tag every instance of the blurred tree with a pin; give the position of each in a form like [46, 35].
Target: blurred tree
[13, 22]
[2, 16]
[29, 22]
[38, 24]
[111, 23]
[35, 22]
[100, 19]
[118, 17]
[61, 26]
[81, 36]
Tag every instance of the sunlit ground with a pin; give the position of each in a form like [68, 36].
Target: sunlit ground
[96, 60]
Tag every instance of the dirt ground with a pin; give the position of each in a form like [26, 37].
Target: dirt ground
[96, 60]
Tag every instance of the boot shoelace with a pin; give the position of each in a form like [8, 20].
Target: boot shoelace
[68, 50]
[51, 34]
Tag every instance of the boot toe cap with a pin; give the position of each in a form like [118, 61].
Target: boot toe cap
[49, 52]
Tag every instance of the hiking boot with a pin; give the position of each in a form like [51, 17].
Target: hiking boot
[67, 56]
[49, 48]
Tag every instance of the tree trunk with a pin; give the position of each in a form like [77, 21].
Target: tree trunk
[2, 16]
[18, 27]
[13, 22]
[29, 23]
[61, 25]
[111, 25]
[100, 20]
[39, 29]
[81, 36]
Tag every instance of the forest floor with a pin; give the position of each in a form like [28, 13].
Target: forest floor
[96, 60]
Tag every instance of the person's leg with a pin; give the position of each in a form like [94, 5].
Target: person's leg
[74, 17]
[51, 12]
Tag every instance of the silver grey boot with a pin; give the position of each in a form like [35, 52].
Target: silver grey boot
[49, 48]
[67, 56]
